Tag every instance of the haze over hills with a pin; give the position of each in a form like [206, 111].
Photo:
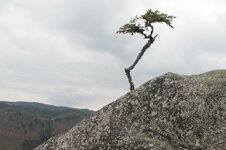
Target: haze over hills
[24, 125]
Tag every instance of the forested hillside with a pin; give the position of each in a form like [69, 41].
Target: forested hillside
[24, 125]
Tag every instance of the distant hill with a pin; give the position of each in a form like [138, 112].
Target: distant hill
[24, 125]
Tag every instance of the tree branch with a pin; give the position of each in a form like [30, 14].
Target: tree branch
[152, 30]
[127, 70]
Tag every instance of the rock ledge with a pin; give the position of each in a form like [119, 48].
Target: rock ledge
[168, 112]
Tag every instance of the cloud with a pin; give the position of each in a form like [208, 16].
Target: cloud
[67, 52]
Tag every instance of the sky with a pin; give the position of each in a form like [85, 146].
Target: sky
[67, 52]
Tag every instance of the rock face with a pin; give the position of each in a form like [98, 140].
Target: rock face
[170, 112]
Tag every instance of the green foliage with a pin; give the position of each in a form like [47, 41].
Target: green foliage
[130, 28]
[157, 17]
[144, 23]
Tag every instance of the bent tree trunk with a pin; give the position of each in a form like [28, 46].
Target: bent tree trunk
[144, 25]
[127, 70]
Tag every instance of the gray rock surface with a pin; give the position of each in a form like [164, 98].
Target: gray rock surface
[170, 112]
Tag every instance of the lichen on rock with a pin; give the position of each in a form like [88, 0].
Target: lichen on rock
[167, 112]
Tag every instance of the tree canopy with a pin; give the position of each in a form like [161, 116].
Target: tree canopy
[144, 24]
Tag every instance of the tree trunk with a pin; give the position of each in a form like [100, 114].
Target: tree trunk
[127, 70]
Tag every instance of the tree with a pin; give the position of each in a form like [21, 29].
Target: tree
[144, 25]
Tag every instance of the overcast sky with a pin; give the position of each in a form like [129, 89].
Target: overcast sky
[67, 52]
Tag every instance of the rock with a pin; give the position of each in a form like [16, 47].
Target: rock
[170, 112]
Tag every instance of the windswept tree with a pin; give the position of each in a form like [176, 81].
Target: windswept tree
[143, 25]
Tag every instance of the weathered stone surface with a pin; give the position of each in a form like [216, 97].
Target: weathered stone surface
[170, 112]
